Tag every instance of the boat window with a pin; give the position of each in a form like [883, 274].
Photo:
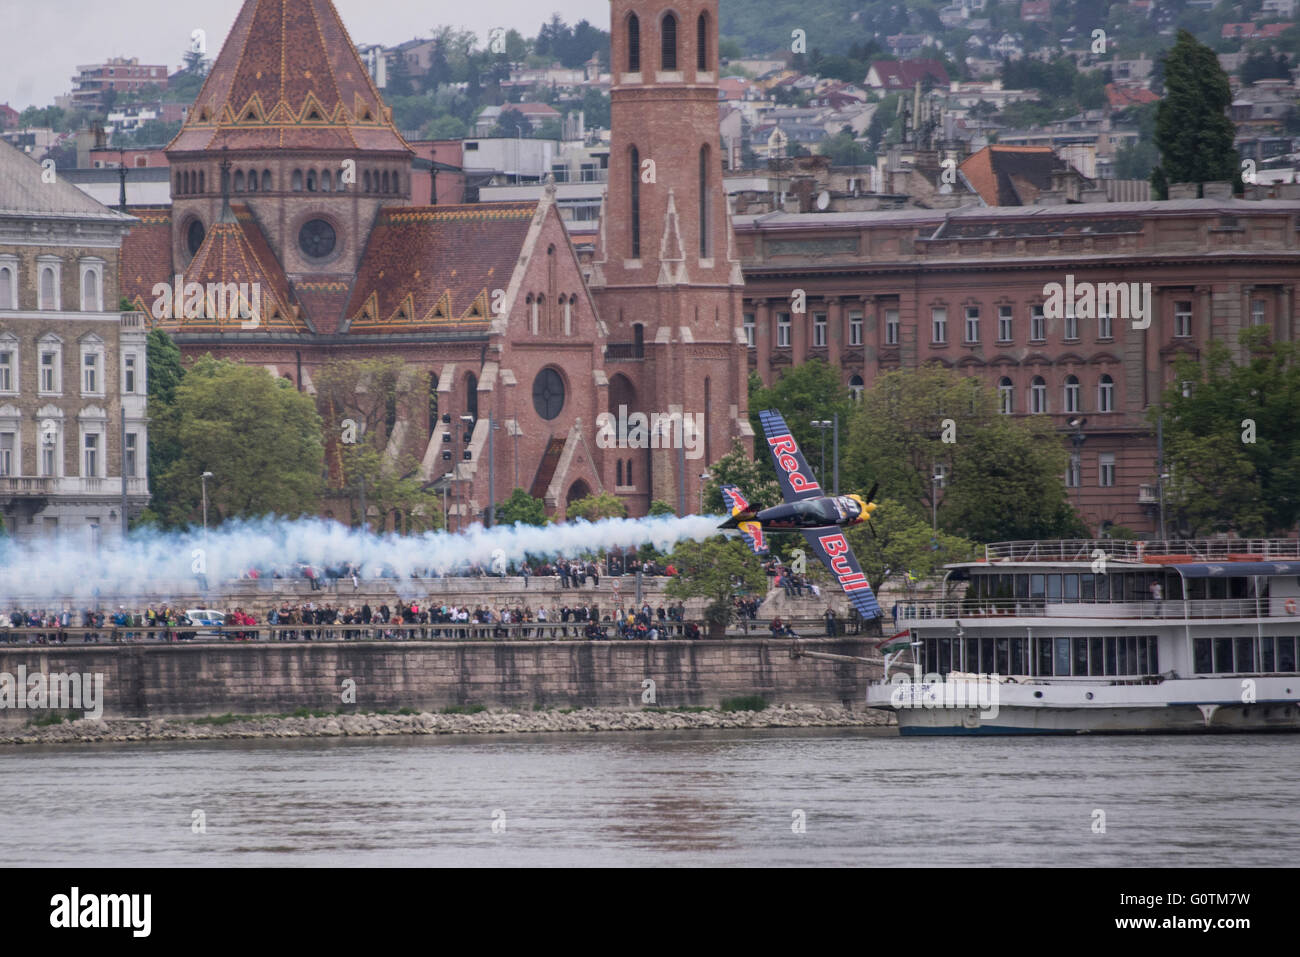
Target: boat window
[1022, 586]
[1121, 658]
[1088, 586]
[1266, 659]
[1062, 647]
[945, 655]
[1196, 589]
[1217, 587]
[1202, 656]
[930, 656]
[1111, 661]
[1153, 658]
[1132, 656]
[1019, 664]
[1245, 654]
[1096, 661]
[1222, 655]
[1053, 587]
[972, 655]
[1044, 656]
[1080, 656]
[1142, 657]
[1002, 665]
[1174, 587]
[1286, 654]
[1238, 588]
[1004, 586]
[1071, 587]
[1103, 587]
[1036, 586]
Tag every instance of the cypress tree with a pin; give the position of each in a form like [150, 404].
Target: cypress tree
[1193, 131]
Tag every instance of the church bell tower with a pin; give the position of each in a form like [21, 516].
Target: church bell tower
[665, 273]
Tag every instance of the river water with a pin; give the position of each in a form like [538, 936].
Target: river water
[726, 798]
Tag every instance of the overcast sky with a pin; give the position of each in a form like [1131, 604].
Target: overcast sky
[42, 43]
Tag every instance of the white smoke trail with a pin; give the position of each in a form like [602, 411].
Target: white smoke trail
[153, 563]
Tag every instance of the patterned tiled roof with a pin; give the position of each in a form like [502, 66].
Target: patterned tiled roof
[288, 77]
[146, 255]
[236, 251]
[427, 266]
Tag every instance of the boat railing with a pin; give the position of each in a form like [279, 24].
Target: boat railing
[952, 608]
[1198, 549]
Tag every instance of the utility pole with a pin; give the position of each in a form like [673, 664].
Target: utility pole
[492, 473]
[835, 451]
[124, 511]
[1160, 471]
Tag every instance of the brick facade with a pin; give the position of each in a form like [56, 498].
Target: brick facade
[1215, 266]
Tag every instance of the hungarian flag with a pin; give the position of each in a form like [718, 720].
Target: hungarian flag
[896, 642]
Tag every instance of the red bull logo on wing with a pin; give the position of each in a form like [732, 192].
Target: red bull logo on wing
[784, 449]
[836, 548]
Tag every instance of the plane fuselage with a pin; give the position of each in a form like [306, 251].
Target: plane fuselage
[824, 512]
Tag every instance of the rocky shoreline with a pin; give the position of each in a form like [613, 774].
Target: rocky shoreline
[88, 731]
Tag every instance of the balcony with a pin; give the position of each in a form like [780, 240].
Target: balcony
[25, 487]
[970, 609]
[1148, 495]
[31, 486]
[625, 350]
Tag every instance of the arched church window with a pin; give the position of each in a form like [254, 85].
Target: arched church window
[668, 35]
[633, 44]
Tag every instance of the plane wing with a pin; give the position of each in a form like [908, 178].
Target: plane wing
[833, 549]
[796, 478]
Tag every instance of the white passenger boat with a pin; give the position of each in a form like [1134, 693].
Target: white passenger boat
[1104, 636]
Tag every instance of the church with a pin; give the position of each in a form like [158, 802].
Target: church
[290, 178]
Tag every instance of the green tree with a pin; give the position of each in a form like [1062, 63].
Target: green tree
[715, 569]
[844, 150]
[595, 109]
[593, 508]
[911, 421]
[521, 509]
[258, 435]
[366, 406]
[1009, 460]
[163, 372]
[1234, 454]
[738, 468]
[1213, 487]
[1193, 131]
[660, 507]
[446, 127]
[902, 543]
[807, 393]
[511, 123]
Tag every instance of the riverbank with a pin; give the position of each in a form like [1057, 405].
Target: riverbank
[87, 731]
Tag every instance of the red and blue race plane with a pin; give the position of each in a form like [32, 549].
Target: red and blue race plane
[807, 509]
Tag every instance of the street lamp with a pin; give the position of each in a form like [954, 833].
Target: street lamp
[1077, 465]
[821, 425]
[704, 477]
[204, 478]
[934, 502]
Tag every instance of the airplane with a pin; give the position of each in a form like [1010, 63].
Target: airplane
[751, 532]
[819, 517]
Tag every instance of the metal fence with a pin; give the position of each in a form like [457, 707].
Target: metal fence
[392, 631]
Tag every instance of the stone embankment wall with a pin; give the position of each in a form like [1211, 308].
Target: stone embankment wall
[157, 680]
